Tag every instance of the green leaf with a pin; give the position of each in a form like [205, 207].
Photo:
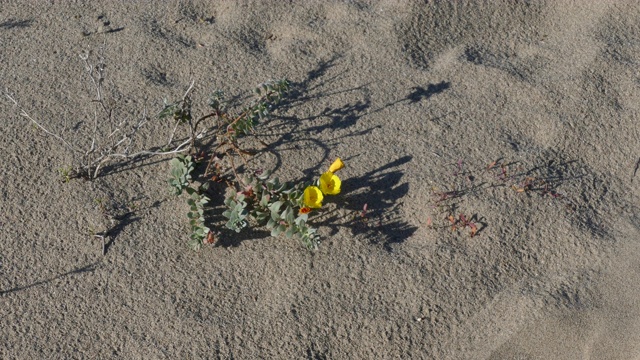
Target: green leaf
[290, 232]
[195, 244]
[301, 219]
[288, 216]
[275, 206]
[276, 231]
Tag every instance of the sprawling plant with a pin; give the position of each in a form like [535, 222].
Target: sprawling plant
[252, 198]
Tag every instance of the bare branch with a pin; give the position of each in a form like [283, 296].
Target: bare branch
[188, 90]
[26, 115]
[100, 162]
[173, 133]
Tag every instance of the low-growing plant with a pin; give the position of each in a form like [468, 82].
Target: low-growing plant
[542, 180]
[66, 173]
[181, 168]
[282, 207]
[199, 231]
[252, 198]
[463, 222]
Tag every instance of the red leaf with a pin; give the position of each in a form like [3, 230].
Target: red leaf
[210, 238]
[474, 229]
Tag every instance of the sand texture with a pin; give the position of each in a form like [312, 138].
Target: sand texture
[529, 110]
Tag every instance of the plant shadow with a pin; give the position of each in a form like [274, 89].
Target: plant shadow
[295, 133]
[284, 133]
[121, 222]
[12, 23]
[372, 205]
[378, 190]
[118, 213]
[84, 269]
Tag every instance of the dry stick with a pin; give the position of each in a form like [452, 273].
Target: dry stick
[97, 84]
[104, 243]
[108, 153]
[24, 114]
[95, 132]
[100, 68]
[107, 157]
[173, 133]
[178, 122]
[636, 169]
[129, 137]
[101, 160]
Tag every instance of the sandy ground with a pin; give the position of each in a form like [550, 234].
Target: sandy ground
[403, 92]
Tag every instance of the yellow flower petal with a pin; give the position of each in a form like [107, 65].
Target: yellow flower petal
[312, 197]
[330, 183]
[337, 165]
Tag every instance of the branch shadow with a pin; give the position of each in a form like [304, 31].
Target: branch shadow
[298, 133]
[84, 269]
[112, 233]
[157, 76]
[419, 94]
[119, 213]
[293, 130]
[12, 23]
[138, 162]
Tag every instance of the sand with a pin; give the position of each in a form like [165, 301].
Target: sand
[415, 98]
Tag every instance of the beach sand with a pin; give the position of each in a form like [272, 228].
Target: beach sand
[528, 110]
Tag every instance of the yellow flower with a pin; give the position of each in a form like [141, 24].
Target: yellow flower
[313, 197]
[337, 165]
[330, 183]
